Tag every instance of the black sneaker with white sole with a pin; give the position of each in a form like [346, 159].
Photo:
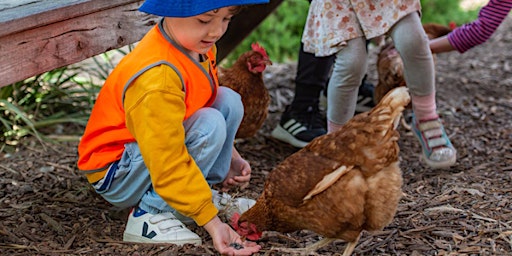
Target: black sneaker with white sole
[300, 126]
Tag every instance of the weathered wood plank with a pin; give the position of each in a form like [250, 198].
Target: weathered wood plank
[37, 50]
[40, 35]
[21, 15]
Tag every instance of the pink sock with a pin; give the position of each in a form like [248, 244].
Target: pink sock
[332, 127]
[424, 107]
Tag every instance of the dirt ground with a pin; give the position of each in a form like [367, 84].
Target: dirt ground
[48, 208]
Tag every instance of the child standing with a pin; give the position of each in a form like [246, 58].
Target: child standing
[342, 28]
[161, 131]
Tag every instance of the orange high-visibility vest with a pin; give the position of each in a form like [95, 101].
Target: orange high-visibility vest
[106, 133]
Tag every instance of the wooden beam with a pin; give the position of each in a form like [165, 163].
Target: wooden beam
[37, 36]
[22, 15]
[51, 38]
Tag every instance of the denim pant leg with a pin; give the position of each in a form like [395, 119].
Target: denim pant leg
[130, 181]
[211, 134]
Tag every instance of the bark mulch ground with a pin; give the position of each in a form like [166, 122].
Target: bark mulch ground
[48, 208]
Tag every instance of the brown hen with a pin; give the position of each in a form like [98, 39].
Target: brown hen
[339, 184]
[245, 77]
[390, 68]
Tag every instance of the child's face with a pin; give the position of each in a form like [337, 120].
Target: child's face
[199, 33]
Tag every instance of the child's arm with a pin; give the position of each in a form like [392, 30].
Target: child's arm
[239, 172]
[440, 44]
[173, 171]
[474, 33]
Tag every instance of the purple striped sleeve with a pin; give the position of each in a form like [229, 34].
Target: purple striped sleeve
[480, 30]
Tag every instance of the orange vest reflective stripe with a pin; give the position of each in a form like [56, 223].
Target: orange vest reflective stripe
[105, 135]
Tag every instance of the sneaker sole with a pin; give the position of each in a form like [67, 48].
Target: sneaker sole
[438, 165]
[139, 239]
[281, 134]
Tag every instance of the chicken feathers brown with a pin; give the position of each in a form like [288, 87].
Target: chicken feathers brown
[245, 77]
[390, 68]
[339, 184]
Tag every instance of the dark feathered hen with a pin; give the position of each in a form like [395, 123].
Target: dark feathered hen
[339, 184]
[245, 77]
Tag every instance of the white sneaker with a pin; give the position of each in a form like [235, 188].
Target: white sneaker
[229, 206]
[144, 227]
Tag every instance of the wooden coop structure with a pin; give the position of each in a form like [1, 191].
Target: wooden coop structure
[37, 36]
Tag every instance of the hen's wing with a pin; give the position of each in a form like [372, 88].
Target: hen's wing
[298, 175]
[368, 141]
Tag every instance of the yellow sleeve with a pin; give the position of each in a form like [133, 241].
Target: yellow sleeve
[155, 109]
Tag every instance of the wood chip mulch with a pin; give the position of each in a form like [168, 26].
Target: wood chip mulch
[48, 208]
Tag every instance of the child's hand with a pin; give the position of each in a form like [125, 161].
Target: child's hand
[224, 238]
[239, 173]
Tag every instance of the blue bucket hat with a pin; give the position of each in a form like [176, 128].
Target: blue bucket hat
[187, 8]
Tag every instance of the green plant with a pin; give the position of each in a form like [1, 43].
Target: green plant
[280, 33]
[444, 12]
[41, 101]
[63, 96]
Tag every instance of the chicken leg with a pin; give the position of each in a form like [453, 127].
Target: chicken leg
[351, 246]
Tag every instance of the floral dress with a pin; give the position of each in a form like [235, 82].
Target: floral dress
[331, 23]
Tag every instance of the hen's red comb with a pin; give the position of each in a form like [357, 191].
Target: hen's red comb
[453, 25]
[258, 48]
